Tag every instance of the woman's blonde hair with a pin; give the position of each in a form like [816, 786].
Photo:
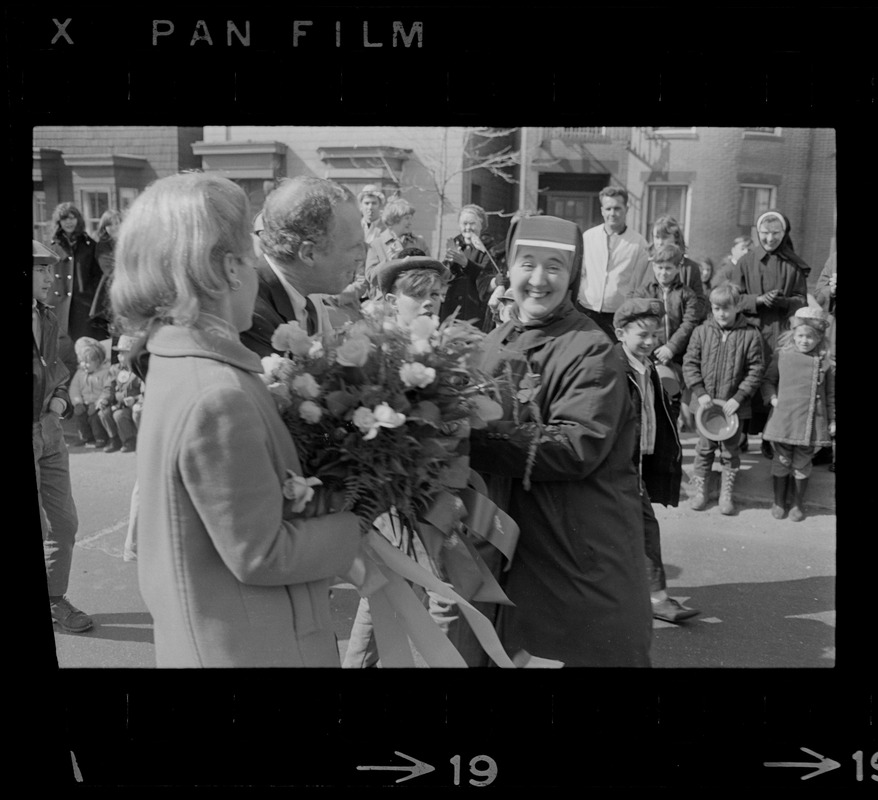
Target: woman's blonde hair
[171, 248]
[395, 210]
[86, 346]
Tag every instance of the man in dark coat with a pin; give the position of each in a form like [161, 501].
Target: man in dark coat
[311, 242]
[657, 452]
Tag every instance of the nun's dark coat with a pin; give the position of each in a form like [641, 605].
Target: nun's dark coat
[578, 577]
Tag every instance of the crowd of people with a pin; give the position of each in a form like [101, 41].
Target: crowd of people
[620, 343]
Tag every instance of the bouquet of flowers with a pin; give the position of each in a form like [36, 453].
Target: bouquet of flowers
[379, 412]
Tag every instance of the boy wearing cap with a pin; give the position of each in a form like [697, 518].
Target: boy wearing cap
[800, 386]
[122, 390]
[682, 313]
[658, 454]
[724, 361]
[411, 287]
[58, 519]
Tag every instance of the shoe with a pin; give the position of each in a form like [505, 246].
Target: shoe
[670, 610]
[69, 618]
[86, 442]
[113, 446]
[698, 501]
[129, 447]
[726, 498]
[767, 450]
[93, 445]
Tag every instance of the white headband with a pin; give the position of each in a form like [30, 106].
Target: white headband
[546, 243]
[772, 215]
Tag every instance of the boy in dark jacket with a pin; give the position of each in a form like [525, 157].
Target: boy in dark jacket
[683, 313]
[657, 453]
[724, 361]
[51, 402]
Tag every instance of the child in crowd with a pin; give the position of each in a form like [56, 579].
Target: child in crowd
[724, 361]
[86, 388]
[121, 392]
[800, 386]
[682, 314]
[657, 453]
[411, 287]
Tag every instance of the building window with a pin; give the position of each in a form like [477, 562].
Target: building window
[755, 133]
[674, 132]
[40, 217]
[94, 203]
[755, 200]
[583, 208]
[664, 199]
[126, 198]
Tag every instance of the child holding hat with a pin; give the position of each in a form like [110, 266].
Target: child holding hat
[800, 387]
[657, 453]
[724, 361]
[578, 578]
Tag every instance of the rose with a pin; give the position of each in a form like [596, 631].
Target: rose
[300, 490]
[316, 349]
[420, 347]
[306, 386]
[364, 419]
[382, 416]
[416, 375]
[276, 368]
[290, 337]
[354, 351]
[310, 412]
[122, 376]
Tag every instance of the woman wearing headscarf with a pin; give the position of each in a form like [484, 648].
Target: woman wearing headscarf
[559, 462]
[773, 283]
[234, 565]
[473, 266]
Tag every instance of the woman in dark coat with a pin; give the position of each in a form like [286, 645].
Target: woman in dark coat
[105, 247]
[772, 279]
[77, 275]
[472, 265]
[578, 576]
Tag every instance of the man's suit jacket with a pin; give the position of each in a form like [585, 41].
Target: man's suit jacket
[273, 308]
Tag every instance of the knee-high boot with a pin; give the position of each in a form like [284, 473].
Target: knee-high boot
[797, 512]
[779, 509]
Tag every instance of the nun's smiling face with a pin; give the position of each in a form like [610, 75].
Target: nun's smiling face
[770, 234]
[539, 279]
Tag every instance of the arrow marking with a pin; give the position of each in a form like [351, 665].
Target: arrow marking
[418, 768]
[824, 765]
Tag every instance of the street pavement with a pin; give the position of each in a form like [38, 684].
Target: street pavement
[765, 588]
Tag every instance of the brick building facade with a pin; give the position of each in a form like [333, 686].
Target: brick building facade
[715, 181]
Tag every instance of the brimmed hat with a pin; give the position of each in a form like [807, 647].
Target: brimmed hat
[713, 423]
[635, 308]
[387, 272]
[42, 254]
[808, 315]
[669, 379]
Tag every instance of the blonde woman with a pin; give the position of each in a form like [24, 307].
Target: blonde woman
[231, 576]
